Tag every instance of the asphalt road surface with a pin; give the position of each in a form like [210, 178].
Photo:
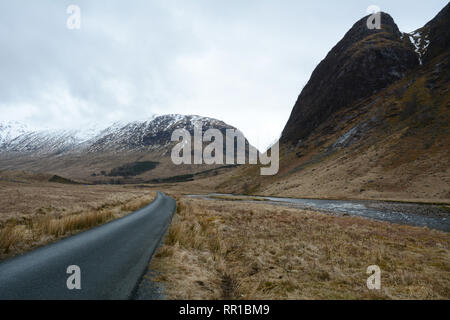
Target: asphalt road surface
[111, 259]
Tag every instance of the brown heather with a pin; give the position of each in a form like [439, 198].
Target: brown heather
[238, 250]
[36, 214]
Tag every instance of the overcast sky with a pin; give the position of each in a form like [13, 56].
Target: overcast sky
[241, 61]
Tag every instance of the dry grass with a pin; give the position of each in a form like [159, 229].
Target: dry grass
[36, 214]
[364, 176]
[232, 250]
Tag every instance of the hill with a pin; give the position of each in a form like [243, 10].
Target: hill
[372, 122]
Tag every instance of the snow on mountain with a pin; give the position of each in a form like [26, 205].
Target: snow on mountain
[419, 39]
[148, 134]
[10, 130]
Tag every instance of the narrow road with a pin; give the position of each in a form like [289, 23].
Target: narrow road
[111, 259]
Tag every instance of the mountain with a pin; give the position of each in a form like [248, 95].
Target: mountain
[98, 154]
[155, 133]
[435, 35]
[136, 135]
[40, 142]
[362, 63]
[10, 130]
[371, 123]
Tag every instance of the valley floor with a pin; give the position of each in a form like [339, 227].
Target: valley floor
[35, 212]
[236, 250]
[222, 249]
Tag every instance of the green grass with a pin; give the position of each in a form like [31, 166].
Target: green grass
[180, 178]
[133, 169]
[58, 179]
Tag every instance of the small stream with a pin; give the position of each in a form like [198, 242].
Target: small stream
[422, 215]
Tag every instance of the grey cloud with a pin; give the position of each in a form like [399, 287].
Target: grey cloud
[233, 60]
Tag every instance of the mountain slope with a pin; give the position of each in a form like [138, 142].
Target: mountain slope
[353, 136]
[362, 63]
[152, 134]
[140, 147]
[10, 130]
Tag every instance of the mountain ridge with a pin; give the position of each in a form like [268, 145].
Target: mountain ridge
[389, 140]
[17, 137]
[120, 145]
[362, 63]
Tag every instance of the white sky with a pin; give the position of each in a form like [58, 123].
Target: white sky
[240, 61]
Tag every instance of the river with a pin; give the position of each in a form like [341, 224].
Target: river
[422, 215]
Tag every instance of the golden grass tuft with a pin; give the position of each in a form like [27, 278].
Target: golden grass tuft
[24, 232]
[60, 226]
[9, 235]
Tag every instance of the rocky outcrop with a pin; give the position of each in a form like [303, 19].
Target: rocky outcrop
[437, 32]
[362, 63]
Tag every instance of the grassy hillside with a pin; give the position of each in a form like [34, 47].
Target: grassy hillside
[392, 145]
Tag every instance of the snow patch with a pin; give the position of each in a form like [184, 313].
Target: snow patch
[150, 134]
[343, 139]
[420, 42]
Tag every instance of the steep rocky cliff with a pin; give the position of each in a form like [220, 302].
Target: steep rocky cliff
[373, 122]
[362, 63]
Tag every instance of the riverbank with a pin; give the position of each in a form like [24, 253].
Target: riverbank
[416, 214]
[255, 250]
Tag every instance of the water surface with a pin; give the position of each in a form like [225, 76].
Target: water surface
[422, 215]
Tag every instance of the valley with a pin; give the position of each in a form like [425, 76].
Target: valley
[35, 212]
[219, 249]
[362, 178]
